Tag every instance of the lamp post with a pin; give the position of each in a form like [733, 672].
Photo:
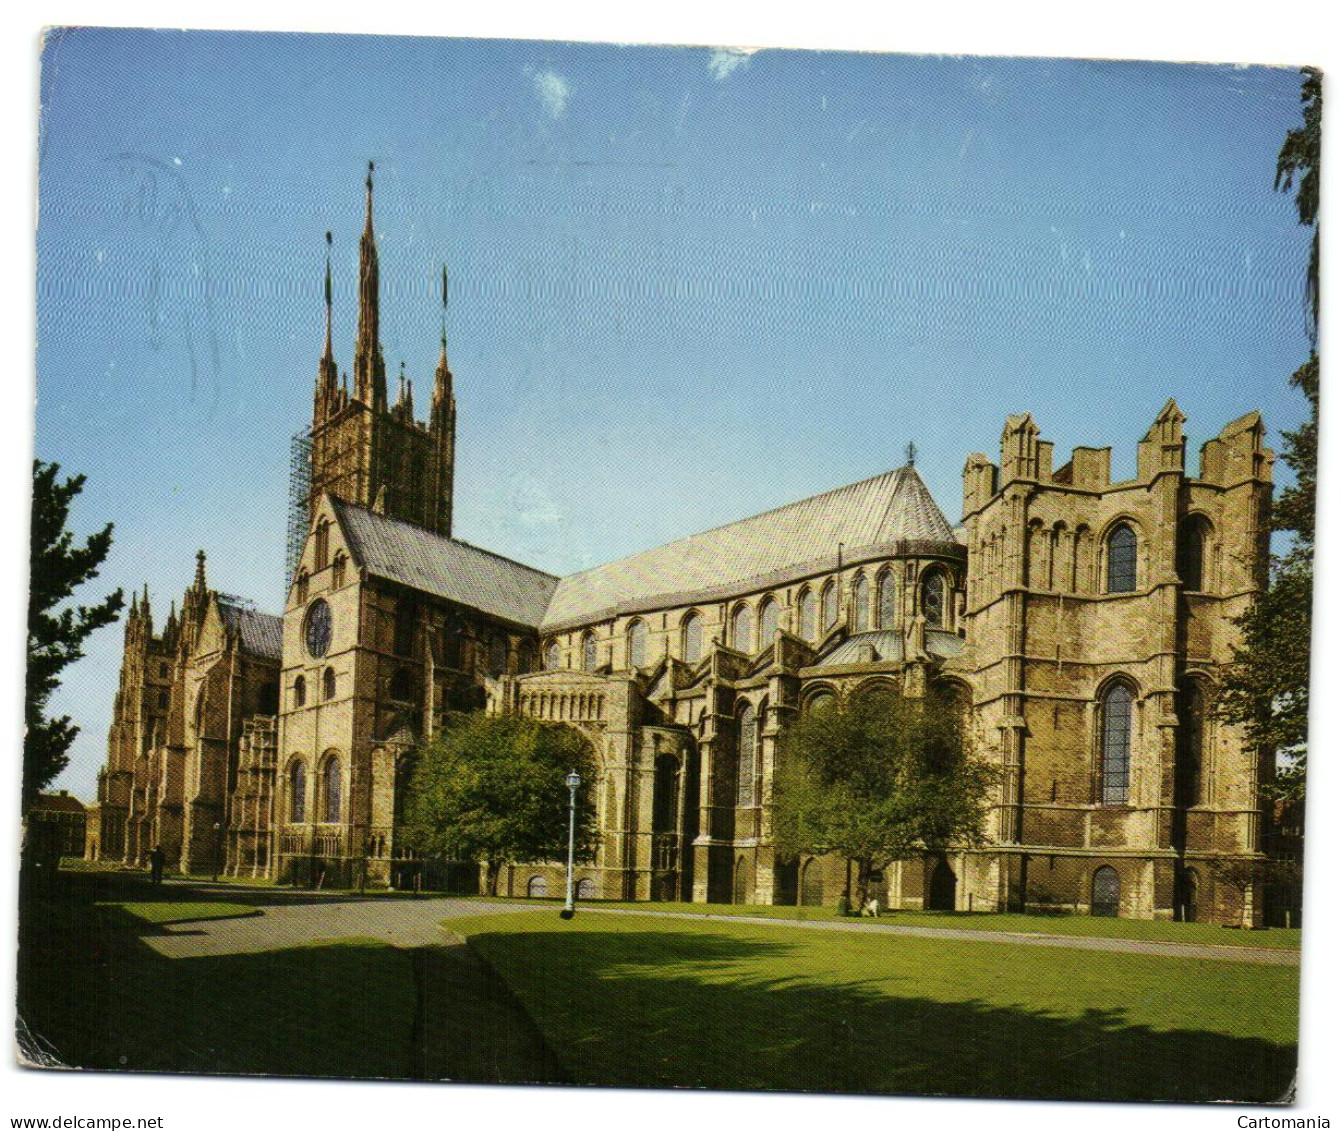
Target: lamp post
[573, 781]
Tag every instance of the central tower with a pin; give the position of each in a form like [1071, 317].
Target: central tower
[369, 452]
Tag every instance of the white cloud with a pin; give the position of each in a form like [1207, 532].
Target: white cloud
[724, 60]
[553, 90]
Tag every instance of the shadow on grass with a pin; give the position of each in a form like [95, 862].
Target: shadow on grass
[136, 887]
[92, 994]
[689, 1009]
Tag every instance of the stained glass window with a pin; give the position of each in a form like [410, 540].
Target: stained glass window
[1116, 739]
[1122, 560]
[768, 622]
[691, 638]
[807, 615]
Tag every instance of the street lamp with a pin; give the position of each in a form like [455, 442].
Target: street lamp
[573, 781]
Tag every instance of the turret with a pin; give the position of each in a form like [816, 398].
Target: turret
[1163, 447]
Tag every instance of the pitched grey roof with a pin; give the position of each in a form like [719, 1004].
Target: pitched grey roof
[790, 542]
[262, 634]
[445, 567]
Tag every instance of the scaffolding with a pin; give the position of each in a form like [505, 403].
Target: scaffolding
[300, 498]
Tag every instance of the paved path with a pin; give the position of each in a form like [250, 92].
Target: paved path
[295, 921]
[1270, 956]
[400, 922]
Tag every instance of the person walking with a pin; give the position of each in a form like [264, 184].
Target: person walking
[156, 858]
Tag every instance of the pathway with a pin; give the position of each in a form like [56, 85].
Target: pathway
[419, 922]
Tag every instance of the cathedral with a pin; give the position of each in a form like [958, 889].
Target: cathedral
[1079, 623]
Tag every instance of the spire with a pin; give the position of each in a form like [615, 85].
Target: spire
[442, 360]
[408, 399]
[442, 377]
[369, 369]
[329, 354]
[200, 571]
[328, 387]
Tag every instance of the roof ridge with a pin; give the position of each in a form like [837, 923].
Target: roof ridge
[343, 503]
[737, 521]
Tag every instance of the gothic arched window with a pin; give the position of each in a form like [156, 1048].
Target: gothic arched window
[637, 641]
[740, 628]
[401, 687]
[328, 684]
[821, 701]
[1192, 554]
[1191, 743]
[323, 547]
[747, 743]
[768, 622]
[300, 692]
[886, 609]
[331, 790]
[861, 609]
[338, 570]
[407, 613]
[1107, 891]
[1122, 560]
[933, 598]
[589, 652]
[552, 656]
[806, 614]
[297, 793]
[828, 606]
[1115, 745]
[498, 655]
[301, 587]
[691, 637]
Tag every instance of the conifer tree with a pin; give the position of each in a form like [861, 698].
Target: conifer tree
[56, 630]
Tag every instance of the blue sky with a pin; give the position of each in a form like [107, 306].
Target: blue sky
[688, 284]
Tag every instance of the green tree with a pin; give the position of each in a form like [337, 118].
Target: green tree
[490, 789]
[879, 779]
[1266, 687]
[56, 630]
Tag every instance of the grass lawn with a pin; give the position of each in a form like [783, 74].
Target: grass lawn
[1086, 925]
[94, 994]
[654, 1001]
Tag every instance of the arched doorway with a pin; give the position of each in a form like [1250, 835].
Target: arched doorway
[743, 889]
[666, 846]
[1106, 894]
[941, 886]
[812, 885]
[1186, 895]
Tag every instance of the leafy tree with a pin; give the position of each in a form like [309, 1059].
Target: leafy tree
[1266, 687]
[490, 788]
[879, 779]
[57, 631]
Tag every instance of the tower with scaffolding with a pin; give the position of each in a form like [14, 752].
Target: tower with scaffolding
[300, 501]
